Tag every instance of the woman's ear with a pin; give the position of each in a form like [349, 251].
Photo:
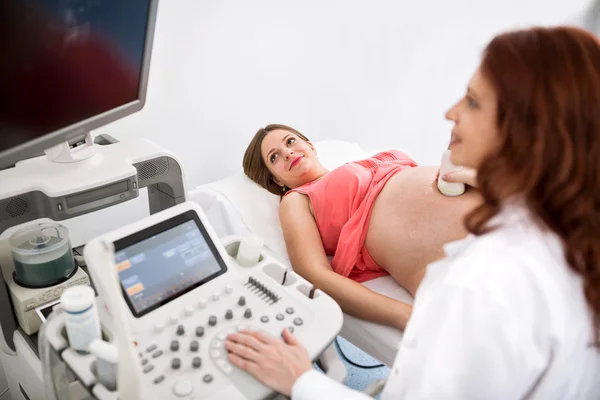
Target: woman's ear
[280, 184]
[311, 146]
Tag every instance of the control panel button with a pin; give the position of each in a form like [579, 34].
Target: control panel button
[144, 361]
[148, 368]
[157, 354]
[215, 353]
[229, 288]
[264, 319]
[194, 345]
[151, 348]
[199, 331]
[175, 363]
[196, 362]
[229, 314]
[188, 311]
[224, 366]
[289, 310]
[212, 320]
[216, 296]
[202, 303]
[216, 344]
[207, 378]
[298, 321]
[248, 313]
[242, 301]
[183, 388]
[180, 330]
[159, 379]
[174, 345]
[158, 328]
[279, 317]
[291, 329]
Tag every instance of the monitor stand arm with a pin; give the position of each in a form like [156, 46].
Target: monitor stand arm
[165, 189]
[65, 153]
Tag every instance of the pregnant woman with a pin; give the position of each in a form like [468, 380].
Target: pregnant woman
[378, 216]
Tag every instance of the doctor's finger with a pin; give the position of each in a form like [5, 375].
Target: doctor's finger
[248, 339]
[264, 337]
[290, 338]
[244, 364]
[242, 351]
[467, 175]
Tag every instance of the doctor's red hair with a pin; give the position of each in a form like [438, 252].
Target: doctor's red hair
[547, 81]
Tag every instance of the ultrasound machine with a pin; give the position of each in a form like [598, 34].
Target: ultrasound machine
[169, 290]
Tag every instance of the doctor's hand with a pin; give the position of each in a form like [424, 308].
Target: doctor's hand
[275, 363]
[468, 176]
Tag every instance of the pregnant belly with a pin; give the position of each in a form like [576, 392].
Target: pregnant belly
[410, 222]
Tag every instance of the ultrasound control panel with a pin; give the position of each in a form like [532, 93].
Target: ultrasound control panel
[185, 294]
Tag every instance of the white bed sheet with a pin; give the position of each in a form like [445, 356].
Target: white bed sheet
[218, 201]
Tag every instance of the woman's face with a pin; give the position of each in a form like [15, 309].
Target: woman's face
[290, 159]
[475, 135]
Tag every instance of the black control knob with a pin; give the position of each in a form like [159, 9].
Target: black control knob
[174, 345]
[212, 321]
[242, 301]
[199, 331]
[248, 313]
[229, 314]
[197, 362]
[176, 363]
[180, 330]
[194, 345]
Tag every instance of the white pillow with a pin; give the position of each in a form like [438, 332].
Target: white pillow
[259, 209]
[333, 153]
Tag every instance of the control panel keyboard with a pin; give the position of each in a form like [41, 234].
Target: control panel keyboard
[184, 293]
[184, 356]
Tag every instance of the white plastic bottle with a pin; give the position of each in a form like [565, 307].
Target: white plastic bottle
[249, 250]
[82, 322]
[449, 188]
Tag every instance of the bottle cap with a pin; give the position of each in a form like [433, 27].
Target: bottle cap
[77, 298]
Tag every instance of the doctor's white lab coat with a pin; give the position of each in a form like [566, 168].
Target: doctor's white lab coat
[501, 317]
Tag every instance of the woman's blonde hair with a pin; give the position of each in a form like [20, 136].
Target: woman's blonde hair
[254, 164]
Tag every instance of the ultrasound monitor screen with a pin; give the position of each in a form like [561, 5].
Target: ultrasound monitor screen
[64, 61]
[162, 263]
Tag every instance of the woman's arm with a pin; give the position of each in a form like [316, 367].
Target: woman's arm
[308, 258]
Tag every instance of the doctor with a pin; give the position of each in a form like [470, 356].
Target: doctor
[513, 311]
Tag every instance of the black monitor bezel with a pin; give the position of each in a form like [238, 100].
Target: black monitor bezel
[156, 229]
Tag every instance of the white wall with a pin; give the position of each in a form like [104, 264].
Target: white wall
[380, 72]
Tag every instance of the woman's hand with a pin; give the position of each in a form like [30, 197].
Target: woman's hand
[466, 175]
[275, 363]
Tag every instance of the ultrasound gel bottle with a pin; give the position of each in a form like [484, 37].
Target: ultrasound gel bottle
[82, 321]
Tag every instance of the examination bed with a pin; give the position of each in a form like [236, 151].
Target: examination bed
[235, 205]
